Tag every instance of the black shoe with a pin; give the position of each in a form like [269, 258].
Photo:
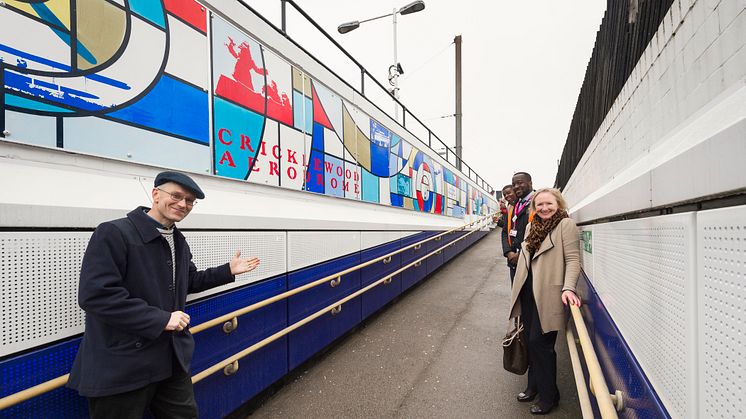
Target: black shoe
[527, 395]
[542, 409]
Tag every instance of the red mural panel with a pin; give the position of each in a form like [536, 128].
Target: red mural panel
[189, 11]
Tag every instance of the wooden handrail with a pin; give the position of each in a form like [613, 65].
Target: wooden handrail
[226, 317]
[60, 381]
[585, 400]
[608, 404]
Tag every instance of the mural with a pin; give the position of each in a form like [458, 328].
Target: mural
[131, 80]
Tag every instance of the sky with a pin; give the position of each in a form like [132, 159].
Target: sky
[523, 63]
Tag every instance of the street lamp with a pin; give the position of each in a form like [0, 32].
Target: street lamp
[395, 70]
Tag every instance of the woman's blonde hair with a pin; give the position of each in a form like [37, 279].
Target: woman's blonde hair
[561, 203]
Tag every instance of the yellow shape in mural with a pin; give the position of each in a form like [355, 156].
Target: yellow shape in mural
[101, 28]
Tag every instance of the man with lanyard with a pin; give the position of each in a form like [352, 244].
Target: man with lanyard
[136, 274]
[518, 218]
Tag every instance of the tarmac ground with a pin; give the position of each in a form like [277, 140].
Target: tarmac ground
[435, 352]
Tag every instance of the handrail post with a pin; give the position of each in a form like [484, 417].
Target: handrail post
[284, 14]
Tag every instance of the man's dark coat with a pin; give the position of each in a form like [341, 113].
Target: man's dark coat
[126, 291]
[520, 225]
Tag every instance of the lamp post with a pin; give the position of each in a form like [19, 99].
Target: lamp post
[395, 70]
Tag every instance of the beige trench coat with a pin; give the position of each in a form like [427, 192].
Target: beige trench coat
[555, 268]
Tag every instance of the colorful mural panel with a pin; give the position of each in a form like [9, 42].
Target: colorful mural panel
[131, 80]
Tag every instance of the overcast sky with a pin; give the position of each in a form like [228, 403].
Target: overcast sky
[523, 64]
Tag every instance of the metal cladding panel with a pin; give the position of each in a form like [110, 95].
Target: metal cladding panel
[39, 287]
[618, 363]
[644, 273]
[721, 240]
[381, 294]
[413, 275]
[314, 336]
[34, 368]
[377, 270]
[307, 248]
[218, 395]
[211, 249]
[370, 239]
[311, 300]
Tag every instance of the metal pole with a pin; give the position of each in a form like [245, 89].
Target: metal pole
[284, 27]
[457, 41]
[396, 74]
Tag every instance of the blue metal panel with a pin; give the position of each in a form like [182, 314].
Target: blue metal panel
[28, 370]
[621, 370]
[433, 262]
[311, 338]
[413, 275]
[378, 296]
[383, 293]
[309, 301]
[218, 395]
[376, 271]
[314, 336]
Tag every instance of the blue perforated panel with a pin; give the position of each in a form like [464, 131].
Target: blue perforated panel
[620, 368]
[34, 368]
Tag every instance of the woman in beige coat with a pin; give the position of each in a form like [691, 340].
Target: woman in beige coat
[545, 279]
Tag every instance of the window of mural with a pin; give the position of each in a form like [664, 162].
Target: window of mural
[130, 81]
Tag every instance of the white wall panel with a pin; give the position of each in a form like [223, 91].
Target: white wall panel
[306, 248]
[39, 288]
[211, 249]
[644, 272]
[374, 238]
[721, 240]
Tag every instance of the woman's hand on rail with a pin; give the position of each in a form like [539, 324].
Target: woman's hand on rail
[240, 266]
[569, 297]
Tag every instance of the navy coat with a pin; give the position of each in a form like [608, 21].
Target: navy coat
[127, 294]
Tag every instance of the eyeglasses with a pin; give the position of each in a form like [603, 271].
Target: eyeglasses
[177, 197]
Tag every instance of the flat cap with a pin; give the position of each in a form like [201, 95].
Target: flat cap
[181, 179]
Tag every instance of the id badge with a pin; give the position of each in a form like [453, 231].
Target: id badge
[513, 233]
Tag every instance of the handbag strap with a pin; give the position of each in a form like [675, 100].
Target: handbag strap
[514, 334]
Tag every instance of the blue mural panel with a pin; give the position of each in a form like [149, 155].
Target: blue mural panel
[315, 172]
[238, 134]
[302, 111]
[371, 187]
[150, 10]
[185, 117]
[333, 176]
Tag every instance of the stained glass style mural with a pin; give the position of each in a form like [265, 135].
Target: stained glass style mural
[167, 83]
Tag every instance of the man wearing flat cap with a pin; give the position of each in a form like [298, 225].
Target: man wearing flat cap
[136, 274]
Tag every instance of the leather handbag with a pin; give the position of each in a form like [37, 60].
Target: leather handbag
[515, 352]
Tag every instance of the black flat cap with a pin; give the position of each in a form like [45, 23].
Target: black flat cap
[181, 179]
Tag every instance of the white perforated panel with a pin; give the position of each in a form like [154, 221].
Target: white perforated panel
[211, 249]
[374, 238]
[306, 248]
[644, 273]
[39, 275]
[721, 240]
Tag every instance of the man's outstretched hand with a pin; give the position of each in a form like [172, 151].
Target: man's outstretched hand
[241, 266]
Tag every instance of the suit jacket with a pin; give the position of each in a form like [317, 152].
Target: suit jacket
[127, 293]
[555, 268]
[520, 225]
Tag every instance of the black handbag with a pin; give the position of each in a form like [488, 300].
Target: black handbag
[515, 353]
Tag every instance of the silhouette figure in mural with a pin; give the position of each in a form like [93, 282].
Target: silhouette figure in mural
[244, 64]
[239, 86]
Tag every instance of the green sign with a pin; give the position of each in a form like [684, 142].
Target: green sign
[587, 239]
